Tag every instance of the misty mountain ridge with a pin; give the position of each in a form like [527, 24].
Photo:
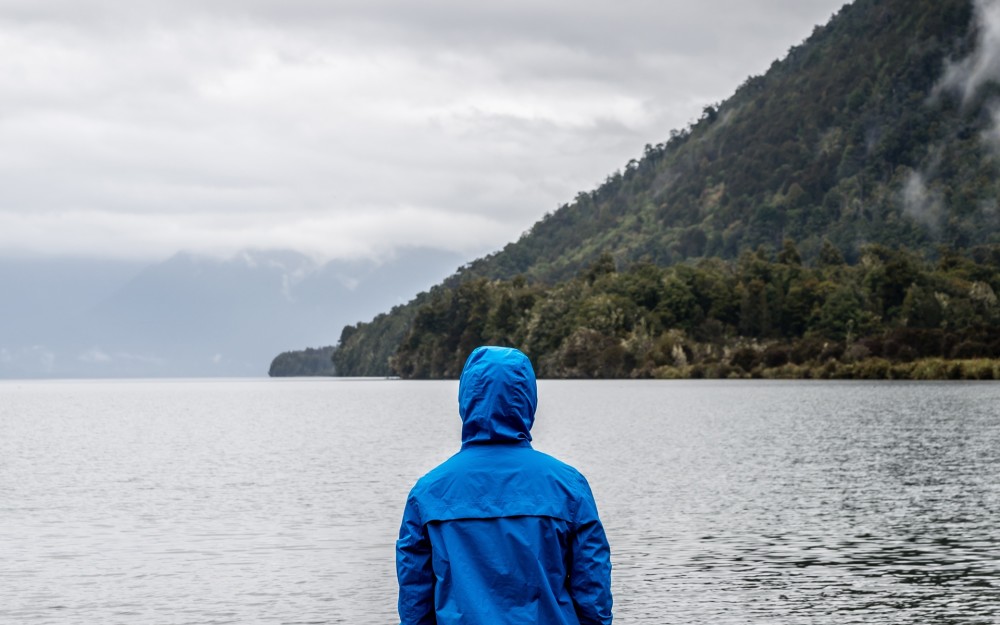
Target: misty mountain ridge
[881, 129]
[192, 315]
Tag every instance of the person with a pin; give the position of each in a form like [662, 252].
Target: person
[500, 533]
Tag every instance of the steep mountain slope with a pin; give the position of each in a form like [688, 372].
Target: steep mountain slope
[881, 128]
[855, 136]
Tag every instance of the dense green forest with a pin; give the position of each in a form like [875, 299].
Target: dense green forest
[892, 314]
[871, 146]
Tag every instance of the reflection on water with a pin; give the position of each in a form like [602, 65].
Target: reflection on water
[278, 501]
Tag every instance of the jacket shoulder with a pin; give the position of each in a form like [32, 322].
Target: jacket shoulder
[499, 482]
[526, 460]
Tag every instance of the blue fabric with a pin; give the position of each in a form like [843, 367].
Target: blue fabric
[501, 533]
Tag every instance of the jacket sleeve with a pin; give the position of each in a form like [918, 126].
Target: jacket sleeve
[590, 571]
[413, 570]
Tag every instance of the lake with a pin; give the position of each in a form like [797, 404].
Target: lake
[278, 501]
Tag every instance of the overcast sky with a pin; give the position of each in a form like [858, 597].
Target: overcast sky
[139, 128]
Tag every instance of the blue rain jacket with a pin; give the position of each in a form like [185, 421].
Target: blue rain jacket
[501, 533]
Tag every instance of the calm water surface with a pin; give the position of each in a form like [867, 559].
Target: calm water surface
[277, 501]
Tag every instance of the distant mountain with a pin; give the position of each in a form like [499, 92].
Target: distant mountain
[40, 292]
[191, 315]
[39, 296]
[883, 127]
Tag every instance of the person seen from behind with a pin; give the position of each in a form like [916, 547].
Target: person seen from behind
[501, 533]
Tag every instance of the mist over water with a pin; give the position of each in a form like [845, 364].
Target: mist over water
[278, 501]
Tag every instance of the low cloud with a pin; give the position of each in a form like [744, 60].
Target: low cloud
[921, 204]
[98, 356]
[967, 75]
[94, 356]
[991, 136]
[964, 77]
[33, 359]
[374, 233]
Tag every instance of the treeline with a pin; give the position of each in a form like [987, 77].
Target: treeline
[308, 362]
[365, 349]
[892, 314]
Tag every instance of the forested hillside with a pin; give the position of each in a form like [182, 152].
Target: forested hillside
[766, 315]
[875, 138]
[856, 137]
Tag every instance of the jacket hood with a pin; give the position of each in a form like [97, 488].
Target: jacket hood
[497, 396]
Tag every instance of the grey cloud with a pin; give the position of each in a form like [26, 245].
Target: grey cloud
[967, 75]
[344, 128]
[97, 356]
[922, 204]
[36, 358]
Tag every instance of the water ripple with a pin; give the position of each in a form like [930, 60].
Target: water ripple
[278, 501]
